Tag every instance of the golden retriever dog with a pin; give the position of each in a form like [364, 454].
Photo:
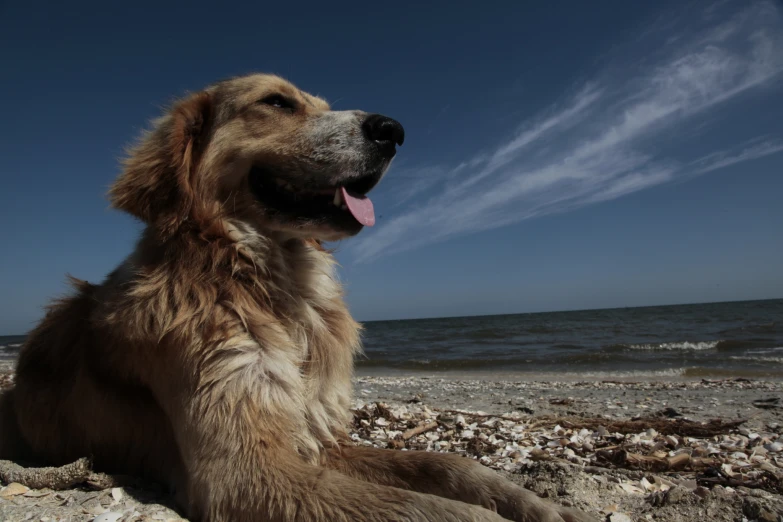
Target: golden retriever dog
[217, 358]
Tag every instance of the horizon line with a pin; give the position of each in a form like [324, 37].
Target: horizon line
[569, 310]
[561, 311]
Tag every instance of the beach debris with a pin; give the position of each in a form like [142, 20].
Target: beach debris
[677, 494]
[680, 427]
[756, 510]
[418, 430]
[630, 488]
[38, 493]
[95, 509]
[645, 455]
[13, 489]
[62, 477]
[768, 404]
[6, 380]
[648, 457]
[629, 460]
[668, 412]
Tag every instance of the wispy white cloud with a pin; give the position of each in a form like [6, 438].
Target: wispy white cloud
[606, 140]
[565, 118]
[748, 151]
[417, 180]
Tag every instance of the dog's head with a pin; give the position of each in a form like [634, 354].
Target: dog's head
[259, 150]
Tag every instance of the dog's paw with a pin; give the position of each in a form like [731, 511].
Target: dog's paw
[574, 515]
[455, 511]
[553, 513]
[526, 506]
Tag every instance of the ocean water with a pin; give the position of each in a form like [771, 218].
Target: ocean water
[739, 339]
[9, 346]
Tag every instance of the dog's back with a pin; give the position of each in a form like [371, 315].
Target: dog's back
[72, 400]
[12, 445]
[44, 374]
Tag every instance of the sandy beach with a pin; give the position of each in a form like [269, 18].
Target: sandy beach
[679, 450]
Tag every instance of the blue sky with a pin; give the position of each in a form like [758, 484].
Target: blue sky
[558, 155]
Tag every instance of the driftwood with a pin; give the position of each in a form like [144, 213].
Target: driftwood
[600, 470]
[418, 430]
[630, 460]
[466, 413]
[767, 482]
[63, 477]
[663, 426]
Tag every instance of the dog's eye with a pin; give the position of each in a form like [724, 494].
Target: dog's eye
[278, 101]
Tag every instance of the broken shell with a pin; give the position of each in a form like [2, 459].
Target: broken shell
[774, 447]
[109, 516]
[13, 489]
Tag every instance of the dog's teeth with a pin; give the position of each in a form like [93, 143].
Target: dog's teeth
[338, 198]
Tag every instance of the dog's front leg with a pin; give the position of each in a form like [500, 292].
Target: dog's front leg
[450, 476]
[239, 426]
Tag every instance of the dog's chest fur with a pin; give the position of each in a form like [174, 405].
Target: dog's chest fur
[265, 317]
[308, 300]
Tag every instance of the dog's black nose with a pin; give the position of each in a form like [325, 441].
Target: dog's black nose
[385, 132]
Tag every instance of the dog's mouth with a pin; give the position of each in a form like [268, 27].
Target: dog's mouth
[346, 202]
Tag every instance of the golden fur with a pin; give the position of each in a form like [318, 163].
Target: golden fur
[217, 358]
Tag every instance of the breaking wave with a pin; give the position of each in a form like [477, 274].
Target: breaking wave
[683, 346]
[761, 356]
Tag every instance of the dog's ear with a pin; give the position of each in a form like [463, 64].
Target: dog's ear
[157, 184]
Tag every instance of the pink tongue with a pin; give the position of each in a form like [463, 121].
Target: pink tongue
[360, 207]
